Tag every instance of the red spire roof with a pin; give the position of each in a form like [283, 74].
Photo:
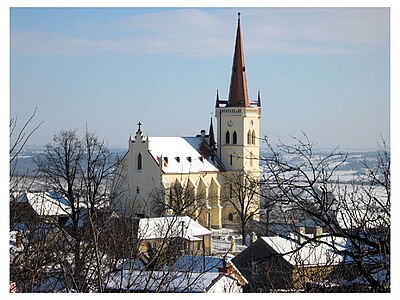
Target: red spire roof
[238, 96]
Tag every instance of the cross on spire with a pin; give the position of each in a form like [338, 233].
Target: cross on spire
[139, 124]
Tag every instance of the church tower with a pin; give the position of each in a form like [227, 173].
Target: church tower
[238, 119]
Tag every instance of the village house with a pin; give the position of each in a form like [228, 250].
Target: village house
[283, 264]
[190, 236]
[36, 207]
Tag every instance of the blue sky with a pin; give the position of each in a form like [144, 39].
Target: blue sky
[323, 71]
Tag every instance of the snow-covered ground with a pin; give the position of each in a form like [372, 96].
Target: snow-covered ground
[222, 241]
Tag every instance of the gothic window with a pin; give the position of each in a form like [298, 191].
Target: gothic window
[249, 137]
[139, 162]
[230, 217]
[231, 159]
[251, 159]
[227, 138]
[253, 138]
[234, 138]
[230, 190]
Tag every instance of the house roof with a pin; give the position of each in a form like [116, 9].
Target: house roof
[46, 203]
[182, 154]
[173, 226]
[162, 281]
[311, 254]
[130, 264]
[195, 263]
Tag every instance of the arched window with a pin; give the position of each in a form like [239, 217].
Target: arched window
[251, 159]
[227, 138]
[139, 162]
[253, 138]
[234, 138]
[231, 159]
[249, 137]
[230, 217]
[230, 190]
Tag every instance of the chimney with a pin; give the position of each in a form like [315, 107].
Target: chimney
[302, 231]
[233, 245]
[203, 133]
[318, 231]
[253, 237]
[223, 269]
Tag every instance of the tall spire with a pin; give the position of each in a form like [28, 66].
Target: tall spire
[217, 100]
[238, 96]
[258, 99]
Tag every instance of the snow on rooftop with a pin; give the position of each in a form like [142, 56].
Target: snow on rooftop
[195, 263]
[311, 254]
[180, 154]
[160, 281]
[174, 226]
[46, 203]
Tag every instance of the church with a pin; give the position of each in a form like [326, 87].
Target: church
[192, 176]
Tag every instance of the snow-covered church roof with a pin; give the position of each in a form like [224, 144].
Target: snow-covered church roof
[183, 154]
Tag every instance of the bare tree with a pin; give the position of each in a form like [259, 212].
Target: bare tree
[243, 197]
[358, 212]
[19, 136]
[158, 246]
[85, 252]
[79, 170]
[180, 198]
